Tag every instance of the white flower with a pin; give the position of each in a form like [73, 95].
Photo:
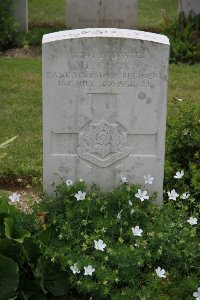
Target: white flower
[69, 182]
[142, 195]
[137, 231]
[119, 215]
[89, 270]
[80, 196]
[172, 195]
[160, 272]
[192, 221]
[15, 197]
[132, 211]
[148, 179]
[185, 195]
[81, 180]
[130, 202]
[197, 294]
[75, 269]
[99, 245]
[178, 174]
[124, 179]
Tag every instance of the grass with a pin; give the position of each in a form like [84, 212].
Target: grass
[150, 12]
[53, 12]
[20, 98]
[49, 12]
[184, 82]
[21, 110]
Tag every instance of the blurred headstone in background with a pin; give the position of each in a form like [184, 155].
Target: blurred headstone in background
[21, 14]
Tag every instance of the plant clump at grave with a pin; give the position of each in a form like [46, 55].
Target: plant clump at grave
[121, 244]
[83, 243]
[183, 145]
[184, 36]
[8, 26]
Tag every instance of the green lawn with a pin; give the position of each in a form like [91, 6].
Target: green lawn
[20, 98]
[150, 12]
[21, 109]
[47, 11]
[54, 12]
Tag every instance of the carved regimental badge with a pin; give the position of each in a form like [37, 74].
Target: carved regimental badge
[103, 143]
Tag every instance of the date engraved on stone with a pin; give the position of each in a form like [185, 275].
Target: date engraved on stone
[103, 143]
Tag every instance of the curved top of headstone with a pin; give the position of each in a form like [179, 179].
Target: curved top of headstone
[105, 32]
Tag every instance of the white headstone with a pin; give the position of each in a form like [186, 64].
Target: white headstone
[188, 6]
[101, 13]
[104, 106]
[21, 14]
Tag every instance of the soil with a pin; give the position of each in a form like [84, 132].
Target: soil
[22, 52]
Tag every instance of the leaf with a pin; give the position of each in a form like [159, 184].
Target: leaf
[5, 207]
[6, 210]
[8, 277]
[6, 143]
[15, 232]
[51, 277]
[31, 252]
[11, 249]
[49, 237]
[38, 297]
[31, 288]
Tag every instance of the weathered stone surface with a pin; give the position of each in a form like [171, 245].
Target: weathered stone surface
[101, 13]
[189, 5]
[104, 106]
[21, 14]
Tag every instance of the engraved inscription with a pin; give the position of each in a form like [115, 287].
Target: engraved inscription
[104, 68]
[80, 79]
[103, 143]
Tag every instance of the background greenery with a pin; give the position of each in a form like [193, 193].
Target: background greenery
[149, 12]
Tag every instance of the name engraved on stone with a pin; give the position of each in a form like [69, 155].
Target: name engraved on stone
[103, 143]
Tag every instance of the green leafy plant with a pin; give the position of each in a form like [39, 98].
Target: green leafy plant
[8, 26]
[24, 272]
[184, 35]
[183, 144]
[121, 245]
[34, 36]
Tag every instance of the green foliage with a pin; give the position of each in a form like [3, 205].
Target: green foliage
[183, 144]
[14, 232]
[24, 272]
[34, 36]
[8, 277]
[51, 278]
[184, 35]
[8, 27]
[125, 269]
